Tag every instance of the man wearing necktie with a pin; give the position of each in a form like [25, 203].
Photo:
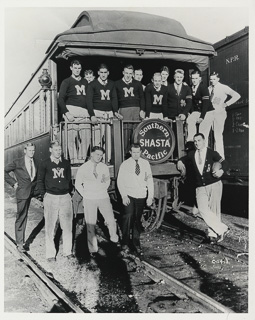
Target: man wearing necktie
[179, 98]
[92, 182]
[135, 184]
[219, 97]
[201, 112]
[208, 185]
[25, 171]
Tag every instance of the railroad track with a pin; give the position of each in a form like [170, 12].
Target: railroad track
[54, 296]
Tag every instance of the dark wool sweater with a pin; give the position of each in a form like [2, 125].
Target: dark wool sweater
[54, 178]
[130, 95]
[101, 97]
[155, 101]
[201, 101]
[72, 92]
[206, 178]
[175, 102]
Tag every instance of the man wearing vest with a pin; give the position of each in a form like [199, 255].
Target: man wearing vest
[208, 185]
[131, 101]
[25, 171]
[54, 184]
[135, 184]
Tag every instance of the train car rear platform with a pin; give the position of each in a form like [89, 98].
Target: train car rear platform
[113, 284]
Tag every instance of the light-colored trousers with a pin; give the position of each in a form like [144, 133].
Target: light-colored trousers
[204, 127]
[218, 128]
[79, 153]
[90, 213]
[102, 132]
[58, 210]
[209, 206]
[154, 115]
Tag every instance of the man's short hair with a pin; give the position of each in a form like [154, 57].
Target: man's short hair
[179, 71]
[55, 143]
[196, 72]
[156, 74]
[138, 69]
[134, 145]
[95, 148]
[129, 66]
[75, 61]
[164, 68]
[103, 66]
[215, 74]
[199, 135]
[29, 144]
[86, 72]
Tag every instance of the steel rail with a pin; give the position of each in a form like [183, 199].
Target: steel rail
[48, 287]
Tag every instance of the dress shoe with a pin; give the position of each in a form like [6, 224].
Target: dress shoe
[223, 235]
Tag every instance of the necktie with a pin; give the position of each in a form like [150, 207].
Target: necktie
[199, 157]
[31, 169]
[137, 168]
[95, 171]
[212, 94]
[193, 90]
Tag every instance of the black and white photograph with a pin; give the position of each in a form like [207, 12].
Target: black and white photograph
[126, 184]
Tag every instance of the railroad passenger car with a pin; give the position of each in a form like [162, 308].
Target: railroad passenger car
[115, 38]
[232, 63]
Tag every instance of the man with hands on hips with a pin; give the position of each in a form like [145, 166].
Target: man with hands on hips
[135, 184]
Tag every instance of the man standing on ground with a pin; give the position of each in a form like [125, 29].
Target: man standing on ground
[218, 96]
[135, 184]
[92, 182]
[25, 170]
[208, 185]
[54, 184]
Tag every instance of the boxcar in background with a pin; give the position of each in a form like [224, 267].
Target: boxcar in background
[232, 63]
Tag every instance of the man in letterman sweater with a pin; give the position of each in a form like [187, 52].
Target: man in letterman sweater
[102, 104]
[201, 111]
[156, 99]
[131, 102]
[73, 105]
[54, 184]
[208, 185]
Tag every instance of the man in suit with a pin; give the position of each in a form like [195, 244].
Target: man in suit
[25, 170]
[202, 111]
[208, 185]
[179, 97]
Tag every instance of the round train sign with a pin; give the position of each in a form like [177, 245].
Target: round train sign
[156, 139]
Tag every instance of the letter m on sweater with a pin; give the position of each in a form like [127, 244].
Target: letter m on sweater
[80, 90]
[105, 94]
[128, 92]
[58, 173]
[157, 99]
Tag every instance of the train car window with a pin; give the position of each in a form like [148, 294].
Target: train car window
[46, 113]
[14, 131]
[20, 127]
[37, 117]
[28, 131]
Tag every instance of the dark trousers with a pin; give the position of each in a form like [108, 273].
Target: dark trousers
[131, 221]
[21, 220]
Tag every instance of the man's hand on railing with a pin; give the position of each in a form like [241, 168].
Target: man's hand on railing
[118, 115]
[142, 114]
[69, 116]
[94, 120]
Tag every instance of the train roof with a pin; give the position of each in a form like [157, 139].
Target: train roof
[233, 37]
[132, 35]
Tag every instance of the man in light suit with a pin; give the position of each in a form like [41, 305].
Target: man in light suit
[25, 170]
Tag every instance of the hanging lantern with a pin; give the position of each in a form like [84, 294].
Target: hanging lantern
[45, 80]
